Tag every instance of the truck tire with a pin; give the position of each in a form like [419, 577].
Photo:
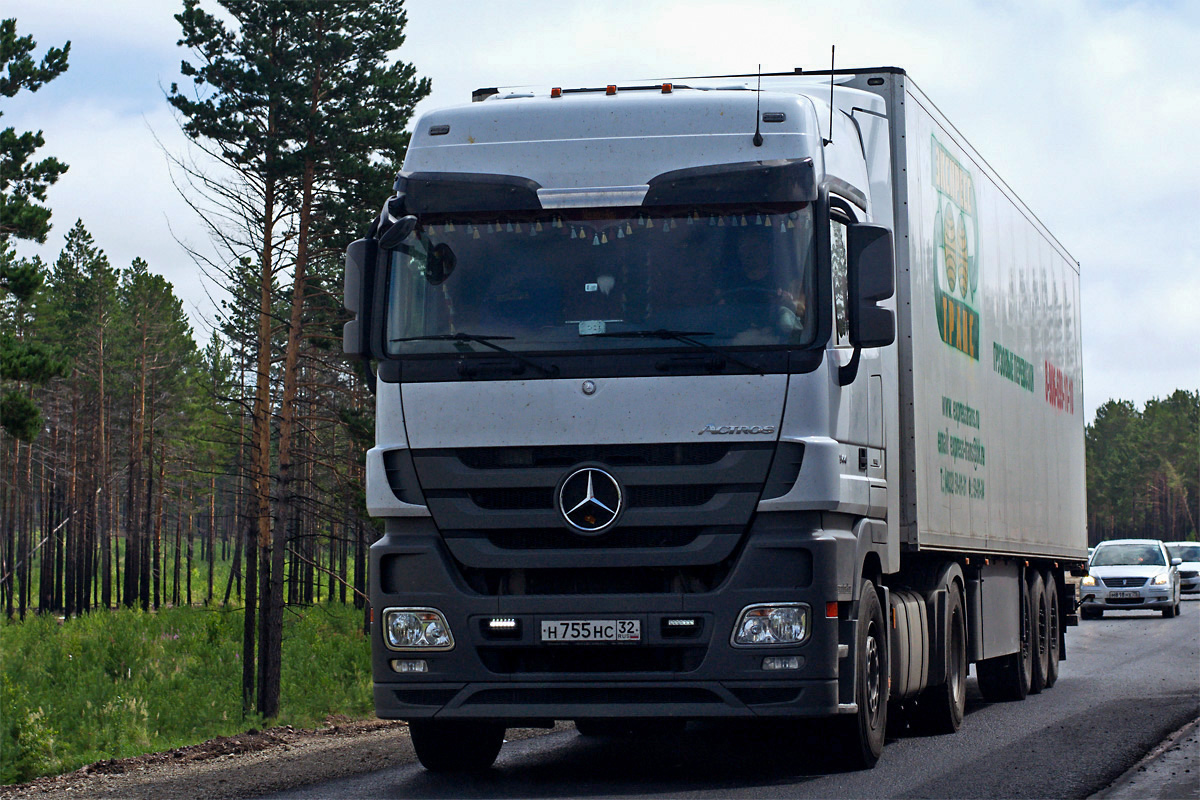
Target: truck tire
[1055, 637]
[861, 735]
[456, 746]
[1041, 632]
[1008, 677]
[1170, 611]
[940, 708]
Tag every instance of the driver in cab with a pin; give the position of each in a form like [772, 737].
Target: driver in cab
[756, 303]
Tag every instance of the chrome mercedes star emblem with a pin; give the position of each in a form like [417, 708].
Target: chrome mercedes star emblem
[590, 500]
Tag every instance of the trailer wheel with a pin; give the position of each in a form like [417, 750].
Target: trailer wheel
[454, 746]
[1054, 634]
[1041, 632]
[941, 707]
[1008, 677]
[861, 736]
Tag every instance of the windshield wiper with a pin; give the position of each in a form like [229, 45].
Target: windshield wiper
[687, 337]
[486, 341]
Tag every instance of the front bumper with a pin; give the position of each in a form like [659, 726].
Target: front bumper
[1118, 599]
[516, 677]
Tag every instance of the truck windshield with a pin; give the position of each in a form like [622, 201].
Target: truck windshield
[554, 281]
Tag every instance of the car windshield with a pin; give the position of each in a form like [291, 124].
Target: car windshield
[1187, 552]
[1128, 555]
[739, 276]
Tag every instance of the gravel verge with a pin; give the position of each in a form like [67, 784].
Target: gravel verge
[246, 765]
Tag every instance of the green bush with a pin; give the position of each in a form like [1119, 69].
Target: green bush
[122, 683]
[26, 741]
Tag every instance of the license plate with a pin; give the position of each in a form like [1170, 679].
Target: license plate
[591, 630]
[1124, 595]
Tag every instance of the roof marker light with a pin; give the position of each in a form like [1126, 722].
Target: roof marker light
[556, 92]
[611, 90]
[667, 88]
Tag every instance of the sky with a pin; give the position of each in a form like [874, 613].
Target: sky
[1090, 111]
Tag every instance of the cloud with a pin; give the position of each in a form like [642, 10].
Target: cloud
[1087, 110]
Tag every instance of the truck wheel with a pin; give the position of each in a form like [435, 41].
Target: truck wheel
[456, 746]
[1041, 632]
[861, 736]
[1055, 629]
[1170, 611]
[1008, 677]
[941, 707]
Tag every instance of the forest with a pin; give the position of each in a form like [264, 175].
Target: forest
[142, 469]
[1143, 469]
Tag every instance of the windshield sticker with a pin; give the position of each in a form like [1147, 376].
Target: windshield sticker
[956, 238]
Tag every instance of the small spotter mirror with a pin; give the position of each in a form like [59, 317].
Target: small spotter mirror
[398, 232]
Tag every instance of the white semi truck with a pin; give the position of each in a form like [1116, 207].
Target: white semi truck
[736, 397]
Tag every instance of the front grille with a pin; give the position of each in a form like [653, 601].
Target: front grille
[586, 580]
[513, 499]
[1189, 574]
[562, 539]
[640, 455]
[1124, 583]
[542, 497]
[590, 658]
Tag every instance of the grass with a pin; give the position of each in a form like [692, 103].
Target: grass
[121, 683]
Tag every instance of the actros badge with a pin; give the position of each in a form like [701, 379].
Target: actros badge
[590, 500]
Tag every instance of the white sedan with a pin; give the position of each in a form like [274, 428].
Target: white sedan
[1128, 574]
[1189, 570]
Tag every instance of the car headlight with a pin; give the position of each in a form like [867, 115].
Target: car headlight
[416, 629]
[771, 623]
[1160, 579]
[1088, 580]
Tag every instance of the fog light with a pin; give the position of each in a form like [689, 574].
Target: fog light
[771, 624]
[410, 665]
[416, 629]
[782, 662]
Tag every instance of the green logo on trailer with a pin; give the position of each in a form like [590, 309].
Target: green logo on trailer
[956, 239]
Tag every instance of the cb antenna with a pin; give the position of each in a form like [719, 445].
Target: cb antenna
[758, 139]
[832, 53]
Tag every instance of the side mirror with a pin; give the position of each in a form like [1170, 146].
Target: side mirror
[357, 296]
[871, 279]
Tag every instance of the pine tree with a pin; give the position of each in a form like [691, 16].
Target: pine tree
[304, 100]
[22, 184]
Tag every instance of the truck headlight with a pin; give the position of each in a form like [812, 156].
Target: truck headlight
[1160, 579]
[416, 629]
[1088, 580]
[771, 623]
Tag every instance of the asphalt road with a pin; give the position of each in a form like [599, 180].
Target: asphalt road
[1128, 682]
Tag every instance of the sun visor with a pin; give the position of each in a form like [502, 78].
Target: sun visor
[747, 182]
[465, 192]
